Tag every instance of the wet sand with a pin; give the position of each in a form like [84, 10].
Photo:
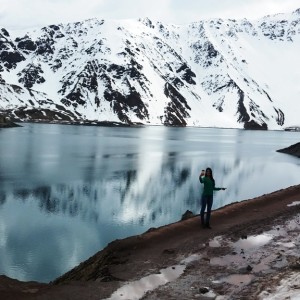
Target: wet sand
[131, 259]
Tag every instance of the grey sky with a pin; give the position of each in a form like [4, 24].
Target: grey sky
[22, 14]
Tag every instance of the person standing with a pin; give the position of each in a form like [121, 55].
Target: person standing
[206, 177]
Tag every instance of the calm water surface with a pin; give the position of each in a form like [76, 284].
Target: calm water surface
[67, 191]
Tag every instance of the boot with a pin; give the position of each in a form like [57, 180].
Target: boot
[207, 226]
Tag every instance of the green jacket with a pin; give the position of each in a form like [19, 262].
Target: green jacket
[209, 186]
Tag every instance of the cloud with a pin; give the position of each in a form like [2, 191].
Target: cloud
[36, 13]
[191, 10]
[133, 9]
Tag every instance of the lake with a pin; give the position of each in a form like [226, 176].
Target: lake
[67, 191]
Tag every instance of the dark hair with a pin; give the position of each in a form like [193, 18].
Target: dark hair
[211, 174]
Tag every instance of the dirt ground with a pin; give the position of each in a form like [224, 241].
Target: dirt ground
[128, 260]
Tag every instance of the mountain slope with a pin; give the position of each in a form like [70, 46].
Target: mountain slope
[223, 73]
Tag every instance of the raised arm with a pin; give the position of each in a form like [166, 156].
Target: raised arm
[201, 176]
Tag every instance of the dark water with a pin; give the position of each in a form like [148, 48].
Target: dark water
[67, 191]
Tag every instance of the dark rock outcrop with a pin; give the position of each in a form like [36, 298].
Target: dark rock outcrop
[254, 126]
[292, 150]
[5, 123]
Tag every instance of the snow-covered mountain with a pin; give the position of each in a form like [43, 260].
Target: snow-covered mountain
[223, 73]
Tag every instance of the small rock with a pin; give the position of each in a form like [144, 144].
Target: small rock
[151, 229]
[203, 290]
[295, 265]
[249, 268]
[187, 215]
[169, 251]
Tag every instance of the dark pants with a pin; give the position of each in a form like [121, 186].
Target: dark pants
[206, 201]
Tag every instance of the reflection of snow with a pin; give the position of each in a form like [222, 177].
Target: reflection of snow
[136, 289]
[216, 242]
[148, 169]
[253, 242]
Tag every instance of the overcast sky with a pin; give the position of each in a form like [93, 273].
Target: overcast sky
[23, 14]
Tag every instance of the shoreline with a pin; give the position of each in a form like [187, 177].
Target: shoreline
[128, 125]
[135, 257]
[176, 229]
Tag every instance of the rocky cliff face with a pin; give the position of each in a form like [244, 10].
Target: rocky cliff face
[5, 123]
[222, 73]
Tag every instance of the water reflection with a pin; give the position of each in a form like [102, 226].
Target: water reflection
[137, 289]
[67, 191]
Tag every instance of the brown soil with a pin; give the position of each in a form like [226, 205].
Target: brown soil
[138, 256]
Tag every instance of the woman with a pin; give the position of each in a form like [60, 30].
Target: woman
[206, 177]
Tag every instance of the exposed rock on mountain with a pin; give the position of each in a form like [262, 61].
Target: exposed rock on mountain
[223, 73]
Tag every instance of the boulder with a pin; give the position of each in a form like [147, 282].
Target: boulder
[187, 215]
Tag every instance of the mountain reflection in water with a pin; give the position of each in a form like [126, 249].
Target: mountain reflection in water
[67, 191]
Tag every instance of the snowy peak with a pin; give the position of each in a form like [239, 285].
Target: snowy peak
[223, 73]
[279, 28]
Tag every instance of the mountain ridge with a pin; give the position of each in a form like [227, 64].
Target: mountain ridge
[212, 73]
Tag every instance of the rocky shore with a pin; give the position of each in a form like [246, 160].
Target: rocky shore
[184, 261]
[293, 150]
[6, 123]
